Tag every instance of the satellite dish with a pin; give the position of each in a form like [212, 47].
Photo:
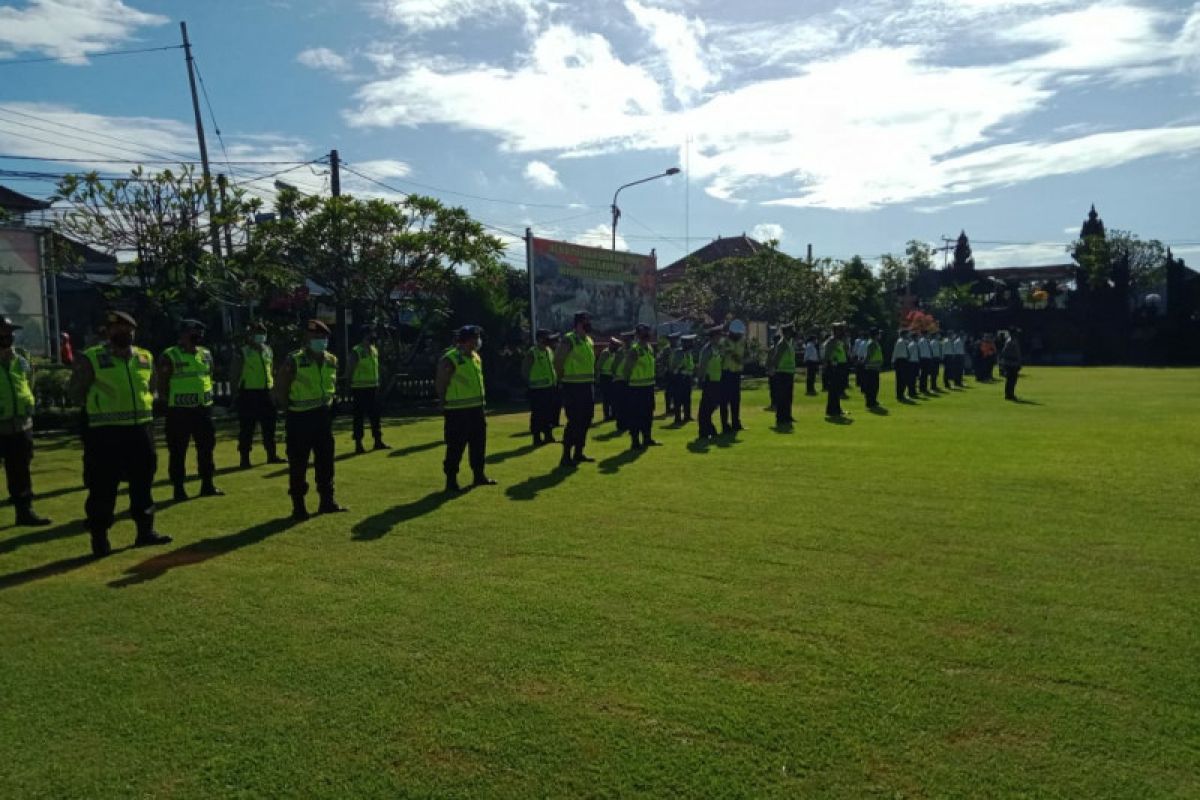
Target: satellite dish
[738, 327]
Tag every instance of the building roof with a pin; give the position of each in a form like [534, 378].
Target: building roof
[20, 203]
[1049, 272]
[717, 249]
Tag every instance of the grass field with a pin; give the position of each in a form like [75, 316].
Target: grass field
[966, 598]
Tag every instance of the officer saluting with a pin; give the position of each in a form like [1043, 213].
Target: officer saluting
[364, 385]
[185, 381]
[114, 383]
[575, 365]
[252, 374]
[781, 362]
[683, 364]
[459, 388]
[307, 386]
[538, 369]
[708, 371]
[836, 371]
[733, 360]
[16, 425]
[638, 369]
[900, 365]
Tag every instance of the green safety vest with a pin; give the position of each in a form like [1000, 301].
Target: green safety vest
[191, 378]
[642, 373]
[837, 352]
[366, 369]
[16, 396]
[711, 361]
[606, 363]
[618, 365]
[315, 385]
[580, 364]
[733, 355]
[466, 384]
[686, 365]
[256, 368]
[120, 395]
[874, 355]
[541, 371]
[787, 359]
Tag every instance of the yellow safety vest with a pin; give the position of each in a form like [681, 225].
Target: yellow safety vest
[366, 370]
[466, 383]
[315, 385]
[606, 363]
[541, 371]
[16, 396]
[256, 368]
[642, 373]
[733, 355]
[120, 395]
[191, 378]
[874, 355]
[787, 359]
[686, 365]
[580, 364]
[711, 359]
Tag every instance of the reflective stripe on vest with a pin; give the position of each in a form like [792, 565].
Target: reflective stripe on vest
[642, 373]
[120, 394]
[16, 396]
[541, 371]
[191, 383]
[580, 363]
[874, 355]
[687, 365]
[606, 363]
[315, 385]
[256, 368]
[366, 368]
[787, 359]
[712, 363]
[466, 383]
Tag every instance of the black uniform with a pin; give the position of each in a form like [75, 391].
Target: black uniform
[255, 408]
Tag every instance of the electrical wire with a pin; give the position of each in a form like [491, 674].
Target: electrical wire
[212, 116]
[137, 148]
[7, 63]
[480, 198]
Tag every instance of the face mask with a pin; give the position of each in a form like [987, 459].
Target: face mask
[587, 327]
[121, 338]
[319, 345]
[260, 338]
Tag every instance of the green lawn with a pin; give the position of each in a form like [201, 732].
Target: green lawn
[966, 598]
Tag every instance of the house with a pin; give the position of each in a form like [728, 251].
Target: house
[717, 249]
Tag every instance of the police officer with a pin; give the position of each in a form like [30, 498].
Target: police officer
[708, 372]
[253, 374]
[619, 388]
[114, 382]
[683, 364]
[872, 366]
[16, 424]
[812, 364]
[936, 356]
[900, 364]
[837, 370]
[575, 365]
[1010, 363]
[604, 375]
[364, 386]
[733, 360]
[925, 359]
[782, 365]
[185, 381]
[665, 354]
[459, 387]
[639, 371]
[538, 369]
[307, 387]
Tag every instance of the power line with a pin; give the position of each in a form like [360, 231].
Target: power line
[5, 63]
[74, 136]
[142, 148]
[481, 198]
[212, 115]
[106, 160]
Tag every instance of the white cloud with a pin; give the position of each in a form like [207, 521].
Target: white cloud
[322, 58]
[430, 15]
[1021, 255]
[600, 236]
[1131, 36]
[70, 28]
[679, 39]
[542, 175]
[384, 168]
[767, 231]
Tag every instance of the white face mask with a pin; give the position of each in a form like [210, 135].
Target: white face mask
[260, 338]
[319, 345]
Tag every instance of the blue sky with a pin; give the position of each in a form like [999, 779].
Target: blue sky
[854, 125]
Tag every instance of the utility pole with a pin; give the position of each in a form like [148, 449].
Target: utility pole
[208, 187]
[335, 188]
[945, 248]
[810, 261]
[221, 185]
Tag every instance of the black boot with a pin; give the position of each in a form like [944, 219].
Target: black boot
[208, 490]
[100, 545]
[566, 460]
[146, 535]
[379, 445]
[25, 515]
[452, 486]
[273, 458]
[245, 462]
[482, 480]
[180, 493]
[299, 510]
[358, 447]
[329, 505]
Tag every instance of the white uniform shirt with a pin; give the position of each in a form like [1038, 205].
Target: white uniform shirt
[923, 348]
[914, 352]
[935, 347]
[960, 347]
[811, 353]
[900, 351]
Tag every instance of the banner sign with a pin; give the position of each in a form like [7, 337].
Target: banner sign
[619, 289]
[22, 288]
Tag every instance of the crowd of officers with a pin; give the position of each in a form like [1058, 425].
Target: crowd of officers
[120, 386]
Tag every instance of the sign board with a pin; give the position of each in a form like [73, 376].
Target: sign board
[619, 289]
[22, 287]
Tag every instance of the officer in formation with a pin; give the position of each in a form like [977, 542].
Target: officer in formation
[575, 364]
[16, 424]
[733, 361]
[682, 365]
[114, 382]
[185, 380]
[605, 363]
[364, 386]
[872, 365]
[460, 391]
[252, 375]
[812, 363]
[638, 369]
[837, 370]
[620, 386]
[956, 358]
[662, 367]
[538, 369]
[709, 374]
[936, 359]
[781, 366]
[1010, 363]
[307, 387]
[925, 359]
[901, 364]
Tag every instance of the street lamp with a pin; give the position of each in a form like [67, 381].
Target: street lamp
[616, 212]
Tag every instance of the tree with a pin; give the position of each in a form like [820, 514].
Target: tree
[963, 268]
[863, 299]
[956, 297]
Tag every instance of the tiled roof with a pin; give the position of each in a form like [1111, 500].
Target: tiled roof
[715, 250]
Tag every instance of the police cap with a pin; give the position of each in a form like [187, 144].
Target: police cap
[674, 336]
[688, 339]
[316, 326]
[192, 325]
[8, 325]
[120, 318]
[257, 326]
[543, 333]
[642, 328]
[469, 332]
[580, 316]
[716, 329]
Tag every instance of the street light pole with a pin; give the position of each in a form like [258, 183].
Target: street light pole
[616, 212]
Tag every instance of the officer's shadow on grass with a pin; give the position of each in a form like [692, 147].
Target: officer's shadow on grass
[500, 458]
[529, 488]
[199, 552]
[45, 571]
[613, 434]
[42, 536]
[613, 464]
[879, 411]
[379, 525]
